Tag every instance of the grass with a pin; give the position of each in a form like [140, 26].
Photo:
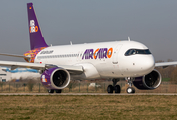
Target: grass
[88, 107]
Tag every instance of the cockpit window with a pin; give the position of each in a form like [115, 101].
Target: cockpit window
[137, 51]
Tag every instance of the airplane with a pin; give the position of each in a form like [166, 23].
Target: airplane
[19, 70]
[21, 73]
[58, 65]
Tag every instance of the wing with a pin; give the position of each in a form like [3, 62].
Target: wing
[165, 64]
[71, 68]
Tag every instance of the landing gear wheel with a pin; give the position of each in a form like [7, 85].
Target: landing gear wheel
[117, 89]
[58, 91]
[130, 90]
[110, 89]
[50, 91]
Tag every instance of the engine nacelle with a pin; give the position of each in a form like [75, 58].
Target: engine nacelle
[55, 78]
[149, 81]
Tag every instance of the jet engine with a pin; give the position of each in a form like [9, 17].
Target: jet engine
[55, 78]
[149, 81]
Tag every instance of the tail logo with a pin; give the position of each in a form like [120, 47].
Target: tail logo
[33, 28]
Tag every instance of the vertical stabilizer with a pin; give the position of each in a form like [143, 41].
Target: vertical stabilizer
[36, 38]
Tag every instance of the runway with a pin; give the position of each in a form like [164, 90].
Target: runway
[80, 94]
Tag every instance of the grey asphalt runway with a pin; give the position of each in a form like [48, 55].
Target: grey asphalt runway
[40, 94]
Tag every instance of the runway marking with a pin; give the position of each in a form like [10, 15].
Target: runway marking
[79, 94]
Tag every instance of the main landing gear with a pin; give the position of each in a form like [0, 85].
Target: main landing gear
[117, 88]
[130, 89]
[114, 87]
[52, 91]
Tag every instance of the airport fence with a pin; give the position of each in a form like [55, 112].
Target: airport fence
[81, 87]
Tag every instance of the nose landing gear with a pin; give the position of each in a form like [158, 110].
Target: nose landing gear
[130, 89]
[114, 87]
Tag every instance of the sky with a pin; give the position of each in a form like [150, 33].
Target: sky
[151, 22]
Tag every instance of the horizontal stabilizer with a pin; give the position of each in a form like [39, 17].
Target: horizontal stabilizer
[14, 55]
[15, 65]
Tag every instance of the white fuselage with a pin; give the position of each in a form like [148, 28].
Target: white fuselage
[101, 60]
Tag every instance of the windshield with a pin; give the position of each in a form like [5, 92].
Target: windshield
[137, 51]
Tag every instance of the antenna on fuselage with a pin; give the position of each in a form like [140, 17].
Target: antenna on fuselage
[128, 38]
[71, 43]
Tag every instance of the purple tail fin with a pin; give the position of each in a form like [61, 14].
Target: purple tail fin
[36, 38]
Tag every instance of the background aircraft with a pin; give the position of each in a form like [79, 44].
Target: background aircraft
[21, 73]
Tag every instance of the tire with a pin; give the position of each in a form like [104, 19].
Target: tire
[130, 90]
[50, 91]
[110, 89]
[58, 91]
[133, 90]
[117, 89]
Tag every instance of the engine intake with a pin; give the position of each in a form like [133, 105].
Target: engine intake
[149, 81]
[55, 78]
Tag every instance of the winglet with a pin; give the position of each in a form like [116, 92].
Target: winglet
[36, 38]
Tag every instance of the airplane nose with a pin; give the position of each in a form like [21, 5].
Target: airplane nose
[148, 64]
